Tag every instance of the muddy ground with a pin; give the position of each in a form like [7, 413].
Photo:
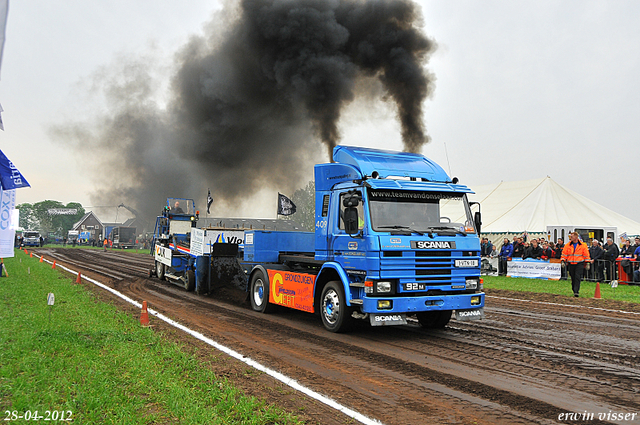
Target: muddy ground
[534, 357]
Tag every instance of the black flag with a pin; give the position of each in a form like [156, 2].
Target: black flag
[285, 206]
[209, 200]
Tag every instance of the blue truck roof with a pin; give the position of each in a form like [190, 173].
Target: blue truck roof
[356, 163]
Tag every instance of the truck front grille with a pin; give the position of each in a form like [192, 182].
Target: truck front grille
[431, 267]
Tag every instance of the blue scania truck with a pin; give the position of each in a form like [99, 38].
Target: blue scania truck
[395, 237]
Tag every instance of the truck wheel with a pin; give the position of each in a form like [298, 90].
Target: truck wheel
[336, 315]
[259, 294]
[160, 270]
[434, 319]
[190, 281]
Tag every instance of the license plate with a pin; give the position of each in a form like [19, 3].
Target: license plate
[414, 286]
[467, 315]
[466, 263]
[387, 319]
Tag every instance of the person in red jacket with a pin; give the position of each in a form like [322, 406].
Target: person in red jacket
[575, 254]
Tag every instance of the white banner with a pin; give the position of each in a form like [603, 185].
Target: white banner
[7, 227]
[489, 265]
[535, 269]
[203, 240]
[62, 211]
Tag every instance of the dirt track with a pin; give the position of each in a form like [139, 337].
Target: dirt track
[526, 363]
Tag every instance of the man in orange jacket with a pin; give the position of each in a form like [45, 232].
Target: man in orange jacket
[575, 253]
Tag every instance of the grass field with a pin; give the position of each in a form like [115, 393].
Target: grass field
[93, 362]
[563, 287]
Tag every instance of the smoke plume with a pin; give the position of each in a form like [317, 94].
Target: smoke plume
[251, 98]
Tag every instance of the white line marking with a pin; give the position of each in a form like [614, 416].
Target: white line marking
[277, 375]
[562, 305]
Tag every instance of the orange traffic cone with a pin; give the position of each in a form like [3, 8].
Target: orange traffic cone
[79, 278]
[31, 254]
[41, 258]
[53, 266]
[144, 315]
[597, 294]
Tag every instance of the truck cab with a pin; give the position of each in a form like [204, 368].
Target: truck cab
[394, 238]
[30, 238]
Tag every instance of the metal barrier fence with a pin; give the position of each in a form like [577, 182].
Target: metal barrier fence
[621, 270]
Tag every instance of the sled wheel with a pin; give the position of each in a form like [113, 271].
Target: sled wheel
[160, 270]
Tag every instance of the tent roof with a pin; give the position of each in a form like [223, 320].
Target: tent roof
[532, 205]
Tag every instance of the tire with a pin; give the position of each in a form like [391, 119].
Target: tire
[259, 293]
[160, 270]
[434, 319]
[335, 314]
[190, 281]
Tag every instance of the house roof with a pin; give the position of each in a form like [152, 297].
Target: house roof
[84, 218]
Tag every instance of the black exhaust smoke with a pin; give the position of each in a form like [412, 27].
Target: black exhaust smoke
[251, 97]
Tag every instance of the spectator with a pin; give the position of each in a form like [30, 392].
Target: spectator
[485, 247]
[546, 251]
[534, 251]
[596, 253]
[611, 252]
[559, 248]
[494, 252]
[627, 252]
[505, 254]
[518, 249]
[575, 253]
[636, 255]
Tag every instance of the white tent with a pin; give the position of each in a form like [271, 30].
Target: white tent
[532, 205]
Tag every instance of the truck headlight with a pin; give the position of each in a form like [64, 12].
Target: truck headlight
[471, 283]
[383, 287]
[475, 300]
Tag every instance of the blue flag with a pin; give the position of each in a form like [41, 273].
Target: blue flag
[10, 177]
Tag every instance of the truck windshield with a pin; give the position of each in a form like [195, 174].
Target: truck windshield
[421, 212]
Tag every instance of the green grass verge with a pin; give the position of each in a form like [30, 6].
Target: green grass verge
[89, 358]
[563, 287]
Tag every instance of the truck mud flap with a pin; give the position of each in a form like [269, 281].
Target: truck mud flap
[467, 315]
[387, 319]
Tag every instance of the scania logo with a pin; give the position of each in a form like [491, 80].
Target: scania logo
[466, 313]
[389, 318]
[433, 244]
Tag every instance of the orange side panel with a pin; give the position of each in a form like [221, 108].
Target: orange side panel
[294, 290]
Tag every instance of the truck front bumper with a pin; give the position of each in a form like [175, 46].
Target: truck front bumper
[410, 305]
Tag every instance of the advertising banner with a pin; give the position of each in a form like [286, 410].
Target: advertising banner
[7, 226]
[535, 269]
[202, 240]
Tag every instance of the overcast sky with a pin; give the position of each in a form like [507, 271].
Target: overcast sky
[524, 89]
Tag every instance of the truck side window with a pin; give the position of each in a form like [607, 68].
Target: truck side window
[360, 212]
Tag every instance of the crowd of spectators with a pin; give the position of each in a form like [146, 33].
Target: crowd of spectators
[603, 256]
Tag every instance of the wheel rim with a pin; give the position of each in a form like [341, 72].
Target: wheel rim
[331, 306]
[159, 268]
[258, 292]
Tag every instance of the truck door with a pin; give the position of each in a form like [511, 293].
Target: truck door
[348, 250]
